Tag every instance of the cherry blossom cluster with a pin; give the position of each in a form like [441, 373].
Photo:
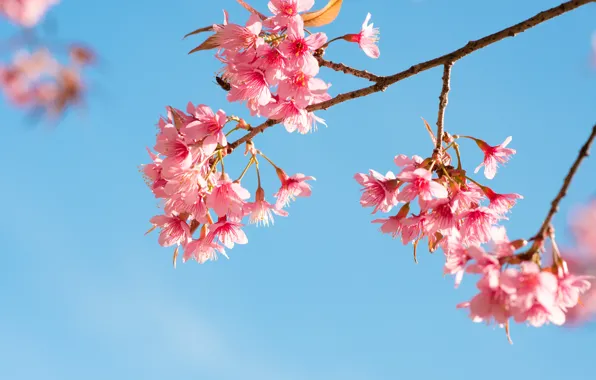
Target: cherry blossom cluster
[270, 64]
[38, 81]
[203, 206]
[37, 78]
[459, 215]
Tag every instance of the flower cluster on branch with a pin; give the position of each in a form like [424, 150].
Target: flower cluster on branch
[271, 64]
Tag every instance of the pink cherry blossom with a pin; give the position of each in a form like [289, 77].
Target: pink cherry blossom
[421, 185]
[260, 210]
[493, 155]
[367, 38]
[236, 37]
[378, 191]
[536, 294]
[203, 250]
[291, 187]
[228, 232]
[287, 13]
[477, 225]
[299, 50]
[227, 198]
[26, 12]
[250, 84]
[207, 127]
[173, 230]
[583, 222]
[500, 203]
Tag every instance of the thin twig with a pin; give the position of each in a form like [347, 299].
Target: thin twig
[386, 81]
[348, 70]
[583, 153]
[443, 100]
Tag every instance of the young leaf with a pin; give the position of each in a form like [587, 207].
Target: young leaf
[323, 16]
[210, 43]
[251, 9]
[200, 30]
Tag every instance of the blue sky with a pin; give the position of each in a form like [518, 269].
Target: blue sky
[322, 294]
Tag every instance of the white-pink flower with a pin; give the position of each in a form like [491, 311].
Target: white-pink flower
[367, 38]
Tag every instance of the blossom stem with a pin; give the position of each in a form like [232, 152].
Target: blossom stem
[221, 161]
[443, 100]
[332, 40]
[475, 182]
[250, 162]
[258, 171]
[583, 153]
[232, 130]
[268, 160]
[456, 148]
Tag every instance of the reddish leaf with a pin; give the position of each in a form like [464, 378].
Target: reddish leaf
[210, 43]
[323, 16]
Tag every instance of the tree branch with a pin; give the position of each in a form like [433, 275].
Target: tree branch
[348, 70]
[383, 82]
[583, 153]
[443, 100]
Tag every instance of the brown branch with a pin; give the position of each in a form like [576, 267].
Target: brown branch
[443, 100]
[348, 70]
[470, 47]
[583, 153]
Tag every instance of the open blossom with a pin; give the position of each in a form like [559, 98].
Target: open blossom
[378, 191]
[421, 185]
[203, 250]
[26, 12]
[250, 84]
[236, 37]
[477, 223]
[228, 232]
[208, 127]
[287, 13]
[367, 38]
[501, 203]
[536, 294]
[299, 50]
[227, 197]
[173, 230]
[260, 211]
[494, 155]
[291, 187]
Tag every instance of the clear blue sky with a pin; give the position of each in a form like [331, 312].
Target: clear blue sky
[322, 294]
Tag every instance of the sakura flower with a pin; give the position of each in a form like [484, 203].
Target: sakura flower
[394, 224]
[421, 185]
[173, 230]
[287, 13]
[260, 210]
[207, 127]
[407, 163]
[493, 303]
[485, 264]
[443, 217]
[203, 250]
[172, 145]
[493, 155]
[501, 203]
[227, 197]
[455, 263]
[291, 187]
[571, 287]
[236, 37]
[582, 222]
[299, 50]
[477, 224]
[26, 12]
[536, 297]
[303, 86]
[250, 84]
[228, 232]
[367, 38]
[378, 191]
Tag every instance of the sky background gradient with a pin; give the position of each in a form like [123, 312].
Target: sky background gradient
[322, 294]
